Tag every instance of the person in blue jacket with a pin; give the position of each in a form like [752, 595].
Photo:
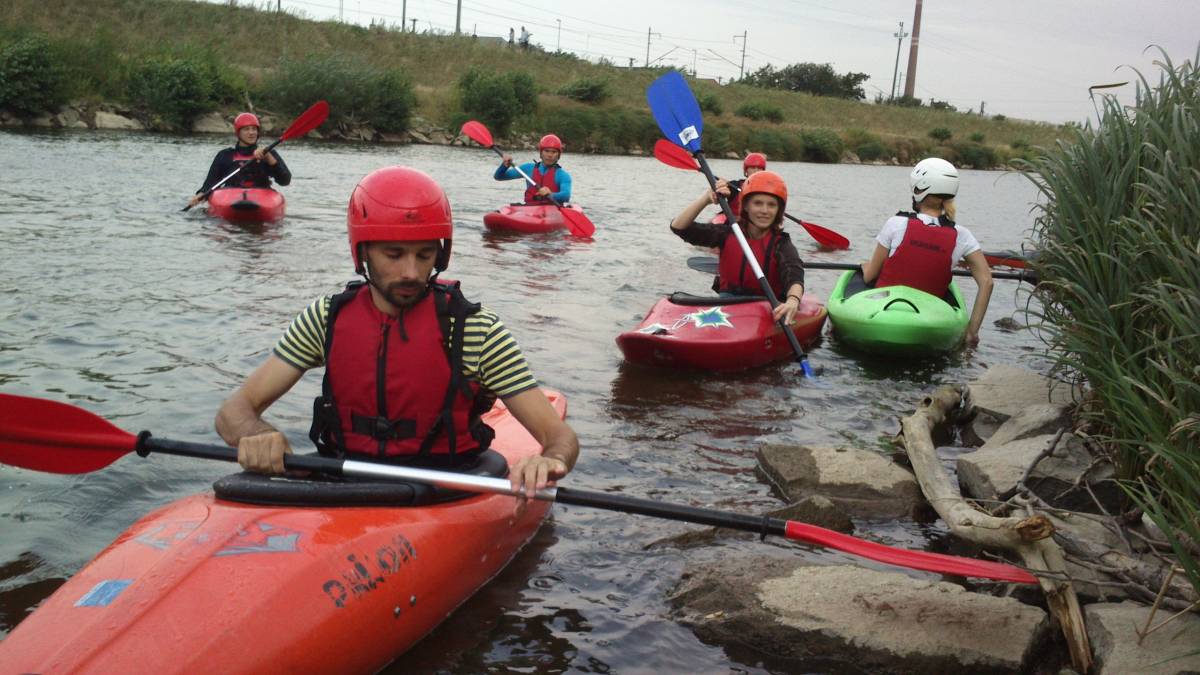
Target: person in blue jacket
[550, 181]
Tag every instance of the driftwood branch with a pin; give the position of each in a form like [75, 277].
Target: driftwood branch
[1029, 537]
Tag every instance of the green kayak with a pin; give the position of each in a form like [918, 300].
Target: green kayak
[895, 319]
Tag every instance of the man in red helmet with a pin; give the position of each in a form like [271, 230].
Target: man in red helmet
[258, 167]
[550, 181]
[410, 364]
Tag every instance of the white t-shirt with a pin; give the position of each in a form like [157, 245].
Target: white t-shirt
[893, 233]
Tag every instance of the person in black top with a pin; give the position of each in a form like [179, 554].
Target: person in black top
[259, 169]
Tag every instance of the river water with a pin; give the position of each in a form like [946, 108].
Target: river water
[113, 300]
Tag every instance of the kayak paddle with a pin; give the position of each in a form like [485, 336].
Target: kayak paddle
[678, 115]
[708, 265]
[579, 224]
[672, 155]
[56, 437]
[307, 121]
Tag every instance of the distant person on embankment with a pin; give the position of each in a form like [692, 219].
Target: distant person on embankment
[764, 197]
[259, 168]
[919, 249]
[550, 180]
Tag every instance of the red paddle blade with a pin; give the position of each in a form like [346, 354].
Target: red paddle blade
[917, 560]
[672, 155]
[475, 131]
[57, 437]
[824, 236]
[307, 121]
[579, 224]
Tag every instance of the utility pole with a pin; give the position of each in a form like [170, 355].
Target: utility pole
[558, 42]
[896, 70]
[458, 17]
[414, 23]
[340, 17]
[403, 11]
[693, 63]
[742, 68]
[648, 34]
[910, 80]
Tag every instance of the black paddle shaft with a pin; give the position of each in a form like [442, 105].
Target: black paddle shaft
[762, 279]
[761, 525]
[235, 172]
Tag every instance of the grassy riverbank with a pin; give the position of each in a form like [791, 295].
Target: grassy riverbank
[99, 45]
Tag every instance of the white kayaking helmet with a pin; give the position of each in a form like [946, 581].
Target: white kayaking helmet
[933, 176]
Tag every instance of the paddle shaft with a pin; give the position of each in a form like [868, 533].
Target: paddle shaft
[233, 173]
[762, 525]
[748, 254]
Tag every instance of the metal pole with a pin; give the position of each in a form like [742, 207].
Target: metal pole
[910, 81]
[403, 11]
[558, 42]
[742, 68]
[458, 17]
[896, 71]
[648, 29]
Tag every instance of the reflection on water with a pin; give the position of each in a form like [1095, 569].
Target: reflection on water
[116, 301]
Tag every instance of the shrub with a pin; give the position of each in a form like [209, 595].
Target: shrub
[978, 156]
[759, 111]
[607, 130]
[177, 90]
[356, 92]
[977, 137]
[497, 99]
[709, 103]
[940, 134]
[30, 82]
[1019, 144]
[587, 90]
[821, 145]
[871, 150]
[999, 118]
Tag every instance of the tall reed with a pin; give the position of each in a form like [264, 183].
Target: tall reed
[1118, 234]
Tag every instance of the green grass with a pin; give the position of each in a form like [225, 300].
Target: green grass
[116, 33]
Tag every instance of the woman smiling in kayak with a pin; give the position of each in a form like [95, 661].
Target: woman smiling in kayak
[763, 199]
[919, 249]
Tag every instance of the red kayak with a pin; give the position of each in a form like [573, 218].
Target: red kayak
[273, 575]
[246, 205]
[528, 218]
[712, 333]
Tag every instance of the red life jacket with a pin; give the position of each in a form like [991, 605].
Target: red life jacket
[734, 274]
[923, 259]
[541, 178]
[391, 387]
[254, 175]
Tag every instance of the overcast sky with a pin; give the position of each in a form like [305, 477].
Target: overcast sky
[1030, 59]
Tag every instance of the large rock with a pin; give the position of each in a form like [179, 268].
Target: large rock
[1034, 420]
[847, 618]
[862, 483]
[212, 123]
[108, 120]
[1112, 630]
[69, 118]
[993, 472]
[1004, 390]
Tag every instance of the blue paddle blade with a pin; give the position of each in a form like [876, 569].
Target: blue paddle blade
[676, 111]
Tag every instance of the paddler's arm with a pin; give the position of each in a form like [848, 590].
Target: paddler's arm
[261, 447]
[560, 445]
[692, 211]
[874, 266]
[982, 274]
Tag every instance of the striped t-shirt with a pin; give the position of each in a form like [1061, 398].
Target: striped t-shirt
[490, 357]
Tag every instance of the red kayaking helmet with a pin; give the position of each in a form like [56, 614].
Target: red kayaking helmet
[398, 203]
[550, 141]
[245, 120]
[767, 182]
[755, 159]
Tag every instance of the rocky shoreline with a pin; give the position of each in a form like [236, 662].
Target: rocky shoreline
[1020, 441]
[82, 115]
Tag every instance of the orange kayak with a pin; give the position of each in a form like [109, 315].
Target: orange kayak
[213, 584]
